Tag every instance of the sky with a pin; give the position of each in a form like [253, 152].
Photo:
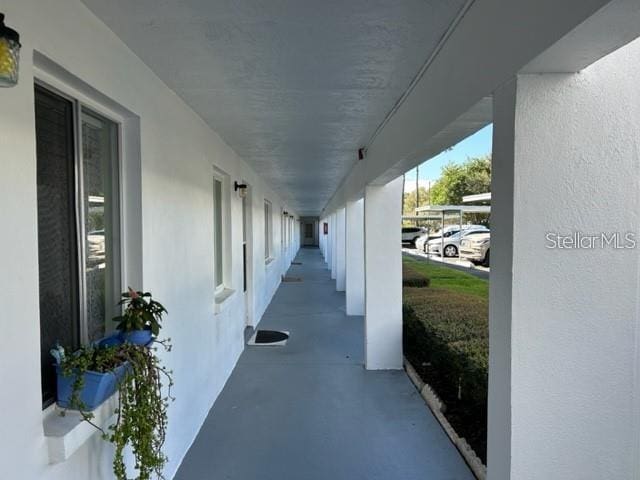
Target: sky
[476, 145]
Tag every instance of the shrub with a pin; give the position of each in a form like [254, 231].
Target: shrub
[446, 340]
[413, 278]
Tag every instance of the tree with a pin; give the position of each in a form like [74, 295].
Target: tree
[456, 181]
[409, 207]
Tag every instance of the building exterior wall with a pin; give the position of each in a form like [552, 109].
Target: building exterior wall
[178, 153]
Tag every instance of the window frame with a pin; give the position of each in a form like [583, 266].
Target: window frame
[225, 226]
[79, 103]
[268, 231]
[285, 233]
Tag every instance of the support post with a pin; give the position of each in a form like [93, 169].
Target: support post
[383, 276]
[328, 242]
[564, 392]
[340, 250]
[334, 238]
[355, 257]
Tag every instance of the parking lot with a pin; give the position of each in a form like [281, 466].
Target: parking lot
[454, 262]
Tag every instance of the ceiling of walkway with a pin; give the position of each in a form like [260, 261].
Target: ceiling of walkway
[293, 86]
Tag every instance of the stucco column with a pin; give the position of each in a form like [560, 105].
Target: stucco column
[328, 240]
[564, 392]
[321, 239]
[383, 276]
[334, 240]
[340, 250]
[355, 257]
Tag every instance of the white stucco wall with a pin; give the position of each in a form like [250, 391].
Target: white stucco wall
[571, 343]
[355, 258]
[341, 250]
[178, 153]
[383, 276]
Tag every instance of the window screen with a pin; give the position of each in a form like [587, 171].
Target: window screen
[217, 232]
[57, 236]
[267, 230]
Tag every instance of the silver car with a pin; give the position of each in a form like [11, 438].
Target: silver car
[476, 248]
[451, 245]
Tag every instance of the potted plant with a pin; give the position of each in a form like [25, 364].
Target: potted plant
[92, 374]
[141, 318]
[89, 376]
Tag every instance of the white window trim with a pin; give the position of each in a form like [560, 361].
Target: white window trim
[223, 291]
[218, 284]
[79, 101]
[66, 434]
[270, 257]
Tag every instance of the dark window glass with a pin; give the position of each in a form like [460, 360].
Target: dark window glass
[57, 236]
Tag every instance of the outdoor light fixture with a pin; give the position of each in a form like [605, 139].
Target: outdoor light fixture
[285, 213]
[9, 54]
[242, 187]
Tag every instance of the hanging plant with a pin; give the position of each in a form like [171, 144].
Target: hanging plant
[144, 387]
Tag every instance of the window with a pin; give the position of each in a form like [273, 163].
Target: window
[292, 226]
[217, 235]
[78, 225]
[285, 236]
[268, 231]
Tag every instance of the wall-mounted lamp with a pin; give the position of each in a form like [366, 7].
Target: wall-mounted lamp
[242, 187]
[9, 54]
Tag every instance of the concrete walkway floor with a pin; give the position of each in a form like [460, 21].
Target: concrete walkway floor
[310, 411]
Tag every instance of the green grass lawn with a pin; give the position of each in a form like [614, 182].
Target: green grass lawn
[450, 278]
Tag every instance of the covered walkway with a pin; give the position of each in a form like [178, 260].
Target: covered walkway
[310, 410]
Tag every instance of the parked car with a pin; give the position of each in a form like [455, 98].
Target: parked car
[450, 245]
[475, 248]
[421, 243]
[411, 234]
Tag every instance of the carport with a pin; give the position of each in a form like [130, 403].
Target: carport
[439, 212]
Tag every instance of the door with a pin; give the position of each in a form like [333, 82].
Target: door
[309, 233]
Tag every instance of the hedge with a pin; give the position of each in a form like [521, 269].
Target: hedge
[446, 339]
[413, 278]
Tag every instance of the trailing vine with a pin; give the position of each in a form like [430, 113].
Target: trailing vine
[141, 415]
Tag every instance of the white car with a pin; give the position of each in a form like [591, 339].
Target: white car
[476, 248]
[450, 245]
[411, 234]
[421, 243]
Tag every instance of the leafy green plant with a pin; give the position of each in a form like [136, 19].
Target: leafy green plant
[141, 420]
[141, 312]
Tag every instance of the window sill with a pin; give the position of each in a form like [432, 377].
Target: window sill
[221, 300]
[66, 434]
